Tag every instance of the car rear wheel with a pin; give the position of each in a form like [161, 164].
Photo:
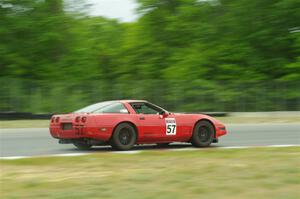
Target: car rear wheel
[124, 137]
[203, 134]
[82, 145]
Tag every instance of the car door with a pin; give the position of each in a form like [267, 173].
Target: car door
[154, 126]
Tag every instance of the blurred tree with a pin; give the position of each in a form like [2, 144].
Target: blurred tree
[183, 54]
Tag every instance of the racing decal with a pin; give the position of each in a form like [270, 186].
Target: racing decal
[170, 126]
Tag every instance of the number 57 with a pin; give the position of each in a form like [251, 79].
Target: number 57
[171, 129]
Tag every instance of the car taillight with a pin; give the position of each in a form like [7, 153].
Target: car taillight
[77, 119]
[83, 119]
[52, 119]
[57, 120]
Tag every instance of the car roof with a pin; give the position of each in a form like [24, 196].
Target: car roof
[125, 101]
[131, 101]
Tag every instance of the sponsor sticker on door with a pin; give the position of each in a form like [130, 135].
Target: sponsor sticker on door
[170, 126]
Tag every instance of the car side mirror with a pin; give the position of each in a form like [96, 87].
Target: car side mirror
[164, 113]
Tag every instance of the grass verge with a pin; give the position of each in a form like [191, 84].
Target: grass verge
[24, 123]
[232, 173]
[258, 119]
[225, 120]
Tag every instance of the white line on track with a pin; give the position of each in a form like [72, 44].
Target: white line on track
[139, 151]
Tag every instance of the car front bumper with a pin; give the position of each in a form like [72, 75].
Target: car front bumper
[220, 131]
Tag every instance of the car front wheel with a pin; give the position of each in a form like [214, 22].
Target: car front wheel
[124, 137]
[203, 134]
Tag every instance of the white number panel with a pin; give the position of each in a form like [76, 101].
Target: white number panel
[170, 126]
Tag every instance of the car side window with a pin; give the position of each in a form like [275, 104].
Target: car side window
[144, 108]
[113, 108]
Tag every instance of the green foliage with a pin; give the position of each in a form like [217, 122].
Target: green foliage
[187, 55]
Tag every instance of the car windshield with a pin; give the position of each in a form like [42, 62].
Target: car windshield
[94, 107]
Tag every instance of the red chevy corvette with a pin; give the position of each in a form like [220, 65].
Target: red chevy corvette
[124, 123]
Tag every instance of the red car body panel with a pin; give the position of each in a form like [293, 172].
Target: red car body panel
[151, 128]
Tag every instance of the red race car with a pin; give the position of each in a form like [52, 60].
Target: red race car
[124, 123]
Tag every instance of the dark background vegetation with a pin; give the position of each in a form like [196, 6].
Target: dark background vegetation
[186, 55]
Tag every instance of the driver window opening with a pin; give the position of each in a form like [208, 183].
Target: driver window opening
[143, 108]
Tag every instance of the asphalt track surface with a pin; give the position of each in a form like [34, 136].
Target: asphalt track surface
[38, 142]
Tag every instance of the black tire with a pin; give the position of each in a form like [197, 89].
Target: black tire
[162, 145]
[82, 145]
[203, 134]
[124, 137]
